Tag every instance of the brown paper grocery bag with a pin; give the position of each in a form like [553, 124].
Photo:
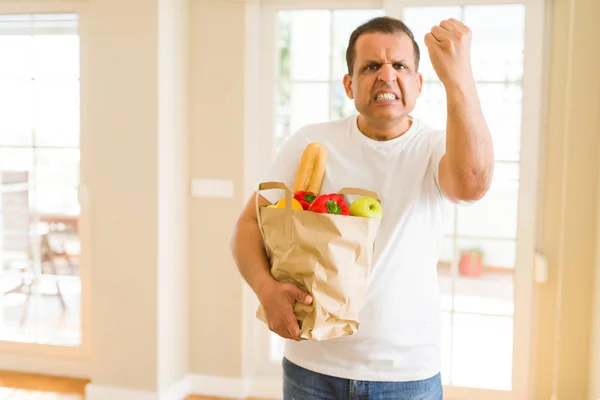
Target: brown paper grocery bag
[328, 256]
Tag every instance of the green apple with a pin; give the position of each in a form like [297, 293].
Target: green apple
[366, 206]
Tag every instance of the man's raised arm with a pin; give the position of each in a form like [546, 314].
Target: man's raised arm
[466, 169]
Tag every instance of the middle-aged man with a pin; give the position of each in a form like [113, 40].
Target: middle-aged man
[416, 171]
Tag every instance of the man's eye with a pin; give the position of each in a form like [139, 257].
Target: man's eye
[399, 66]
[372, 67]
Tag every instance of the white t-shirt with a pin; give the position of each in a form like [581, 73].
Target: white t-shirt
[399, 334]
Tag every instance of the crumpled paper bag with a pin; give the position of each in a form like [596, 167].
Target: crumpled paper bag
[328, 256]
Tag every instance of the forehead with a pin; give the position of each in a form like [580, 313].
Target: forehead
[384, 46]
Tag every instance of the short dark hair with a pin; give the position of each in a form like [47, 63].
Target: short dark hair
[379, 25]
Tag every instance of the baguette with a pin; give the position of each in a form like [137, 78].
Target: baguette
[311, 170]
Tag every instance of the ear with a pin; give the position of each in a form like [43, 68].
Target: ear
[419, 82]
[348, 86]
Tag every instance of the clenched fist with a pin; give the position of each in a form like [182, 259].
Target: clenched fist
[449, 45]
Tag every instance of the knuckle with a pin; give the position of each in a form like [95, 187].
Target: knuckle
[465, 34]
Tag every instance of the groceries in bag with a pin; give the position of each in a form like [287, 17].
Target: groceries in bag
[323, 246]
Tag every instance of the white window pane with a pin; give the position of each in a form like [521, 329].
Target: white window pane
[282, 129]
[57, 113]
[482, 348]
[16, 105]
[420, 20]
[482, 281]
[494, 216]
[57, 168]
[498, 40]
[15, 52]
[56, 56]
[57, 201]
[16, 159]
[344, 22]
[431, 105]
[342, 106]
[309, 103]
[489, 295]
[57, 181]
[502, 106]
[304, 40]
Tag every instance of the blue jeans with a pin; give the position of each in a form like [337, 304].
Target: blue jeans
[302, 384]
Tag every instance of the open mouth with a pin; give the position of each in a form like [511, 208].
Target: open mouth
[386, 96]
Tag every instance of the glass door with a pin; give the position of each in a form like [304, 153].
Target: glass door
[40, 285]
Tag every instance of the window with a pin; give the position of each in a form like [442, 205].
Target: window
[485, 310]
[39, 170]
[311, 48]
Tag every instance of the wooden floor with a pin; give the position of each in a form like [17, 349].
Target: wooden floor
[18, 386]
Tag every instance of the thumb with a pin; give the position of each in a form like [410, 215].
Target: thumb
[298, 294]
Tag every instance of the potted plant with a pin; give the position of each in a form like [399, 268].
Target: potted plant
[471, 262]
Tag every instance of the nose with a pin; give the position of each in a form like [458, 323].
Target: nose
[387, 74]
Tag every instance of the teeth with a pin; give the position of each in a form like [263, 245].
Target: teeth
[386, 96]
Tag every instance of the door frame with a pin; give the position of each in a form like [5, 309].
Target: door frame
[45, 358]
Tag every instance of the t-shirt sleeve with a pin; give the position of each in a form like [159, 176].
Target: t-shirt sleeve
[284, 166]
[438, 150]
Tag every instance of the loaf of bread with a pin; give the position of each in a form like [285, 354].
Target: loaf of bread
[311, 169]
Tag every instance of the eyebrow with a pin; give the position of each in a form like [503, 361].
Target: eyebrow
[371, 62]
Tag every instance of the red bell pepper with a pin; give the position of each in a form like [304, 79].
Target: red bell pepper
[330, 204]
[305, 198]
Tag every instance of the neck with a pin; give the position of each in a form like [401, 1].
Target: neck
[385, 130]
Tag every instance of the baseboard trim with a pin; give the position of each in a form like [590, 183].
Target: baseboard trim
[179, 391]
[30, 364]
[208, 385]
[99, 392]
[264, 388]
[204, 385]
[235, 388]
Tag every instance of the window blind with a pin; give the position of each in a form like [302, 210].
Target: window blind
[39, 24]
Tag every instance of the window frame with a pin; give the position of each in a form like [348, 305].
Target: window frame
[47, 358]
[262, 128]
